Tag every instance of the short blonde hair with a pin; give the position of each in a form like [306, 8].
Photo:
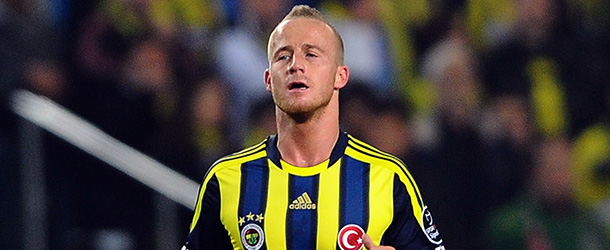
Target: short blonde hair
[305, 11]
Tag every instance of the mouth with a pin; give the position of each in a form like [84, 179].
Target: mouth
[297, 86]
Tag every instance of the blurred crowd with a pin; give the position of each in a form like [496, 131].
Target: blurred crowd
[500, 108]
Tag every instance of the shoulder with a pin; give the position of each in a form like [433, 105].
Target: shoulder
[365, 152]
[238, 158]
[383, 162]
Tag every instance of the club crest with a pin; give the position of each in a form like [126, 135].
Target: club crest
[252, 235]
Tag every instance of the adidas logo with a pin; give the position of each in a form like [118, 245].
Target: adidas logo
[303, 202]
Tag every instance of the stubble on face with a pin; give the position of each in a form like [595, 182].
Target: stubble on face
[302, 112]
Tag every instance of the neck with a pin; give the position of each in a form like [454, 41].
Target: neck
[308, 142]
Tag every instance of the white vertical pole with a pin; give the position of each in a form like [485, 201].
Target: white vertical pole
[166, 223]
[34, 196]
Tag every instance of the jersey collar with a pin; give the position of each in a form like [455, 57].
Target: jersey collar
[274, 154]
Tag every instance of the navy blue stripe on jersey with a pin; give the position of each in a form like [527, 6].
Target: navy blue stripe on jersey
[389, 158]
[354, 202]
[253, 195]
[301, 224]
[339, 149]
[272, 152]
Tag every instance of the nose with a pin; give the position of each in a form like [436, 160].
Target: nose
[296, 64]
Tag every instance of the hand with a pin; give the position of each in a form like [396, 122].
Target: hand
[368, 243]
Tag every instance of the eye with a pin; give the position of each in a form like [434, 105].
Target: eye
[311, 55]
[283, 57]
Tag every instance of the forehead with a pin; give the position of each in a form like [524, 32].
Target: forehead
[299, 31]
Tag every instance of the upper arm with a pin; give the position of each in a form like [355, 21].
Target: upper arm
[406, 230]
[207, 231]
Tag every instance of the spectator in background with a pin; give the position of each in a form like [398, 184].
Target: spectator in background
[47, 78]
[143, 110]
[261, 121]
[241, 55]
[548, 216]
[461, 190]
[549, 61]
[388, 127]
[357, 102]
[209, 124]
[592, 167]
[190, 28]
[105, 35]
[135, 59]
[509, 137]
[29, 44]
[366, 48]
[386, 121]
[191, 21]
[527, 62]
[102, 40]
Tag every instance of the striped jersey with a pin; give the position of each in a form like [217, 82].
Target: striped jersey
[254, 200]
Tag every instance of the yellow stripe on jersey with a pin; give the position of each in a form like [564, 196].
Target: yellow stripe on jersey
[220, 164]
[328, 199]
[277, 204]
[364, 152]
[228, 179]
[381, 190]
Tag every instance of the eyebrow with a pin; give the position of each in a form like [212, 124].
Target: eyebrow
[306, 46]
[281, 49]
[312, 46]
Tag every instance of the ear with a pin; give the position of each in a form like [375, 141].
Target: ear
[268, 80]
[341, 77]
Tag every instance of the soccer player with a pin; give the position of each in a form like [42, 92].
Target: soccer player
[310, 186]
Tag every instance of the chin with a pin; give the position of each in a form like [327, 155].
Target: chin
[291, 111]
[297, 107]
[302, 107]
[301, 113]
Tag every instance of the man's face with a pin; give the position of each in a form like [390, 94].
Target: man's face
[303, 72]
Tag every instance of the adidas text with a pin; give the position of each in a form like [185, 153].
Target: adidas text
[302, 206]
